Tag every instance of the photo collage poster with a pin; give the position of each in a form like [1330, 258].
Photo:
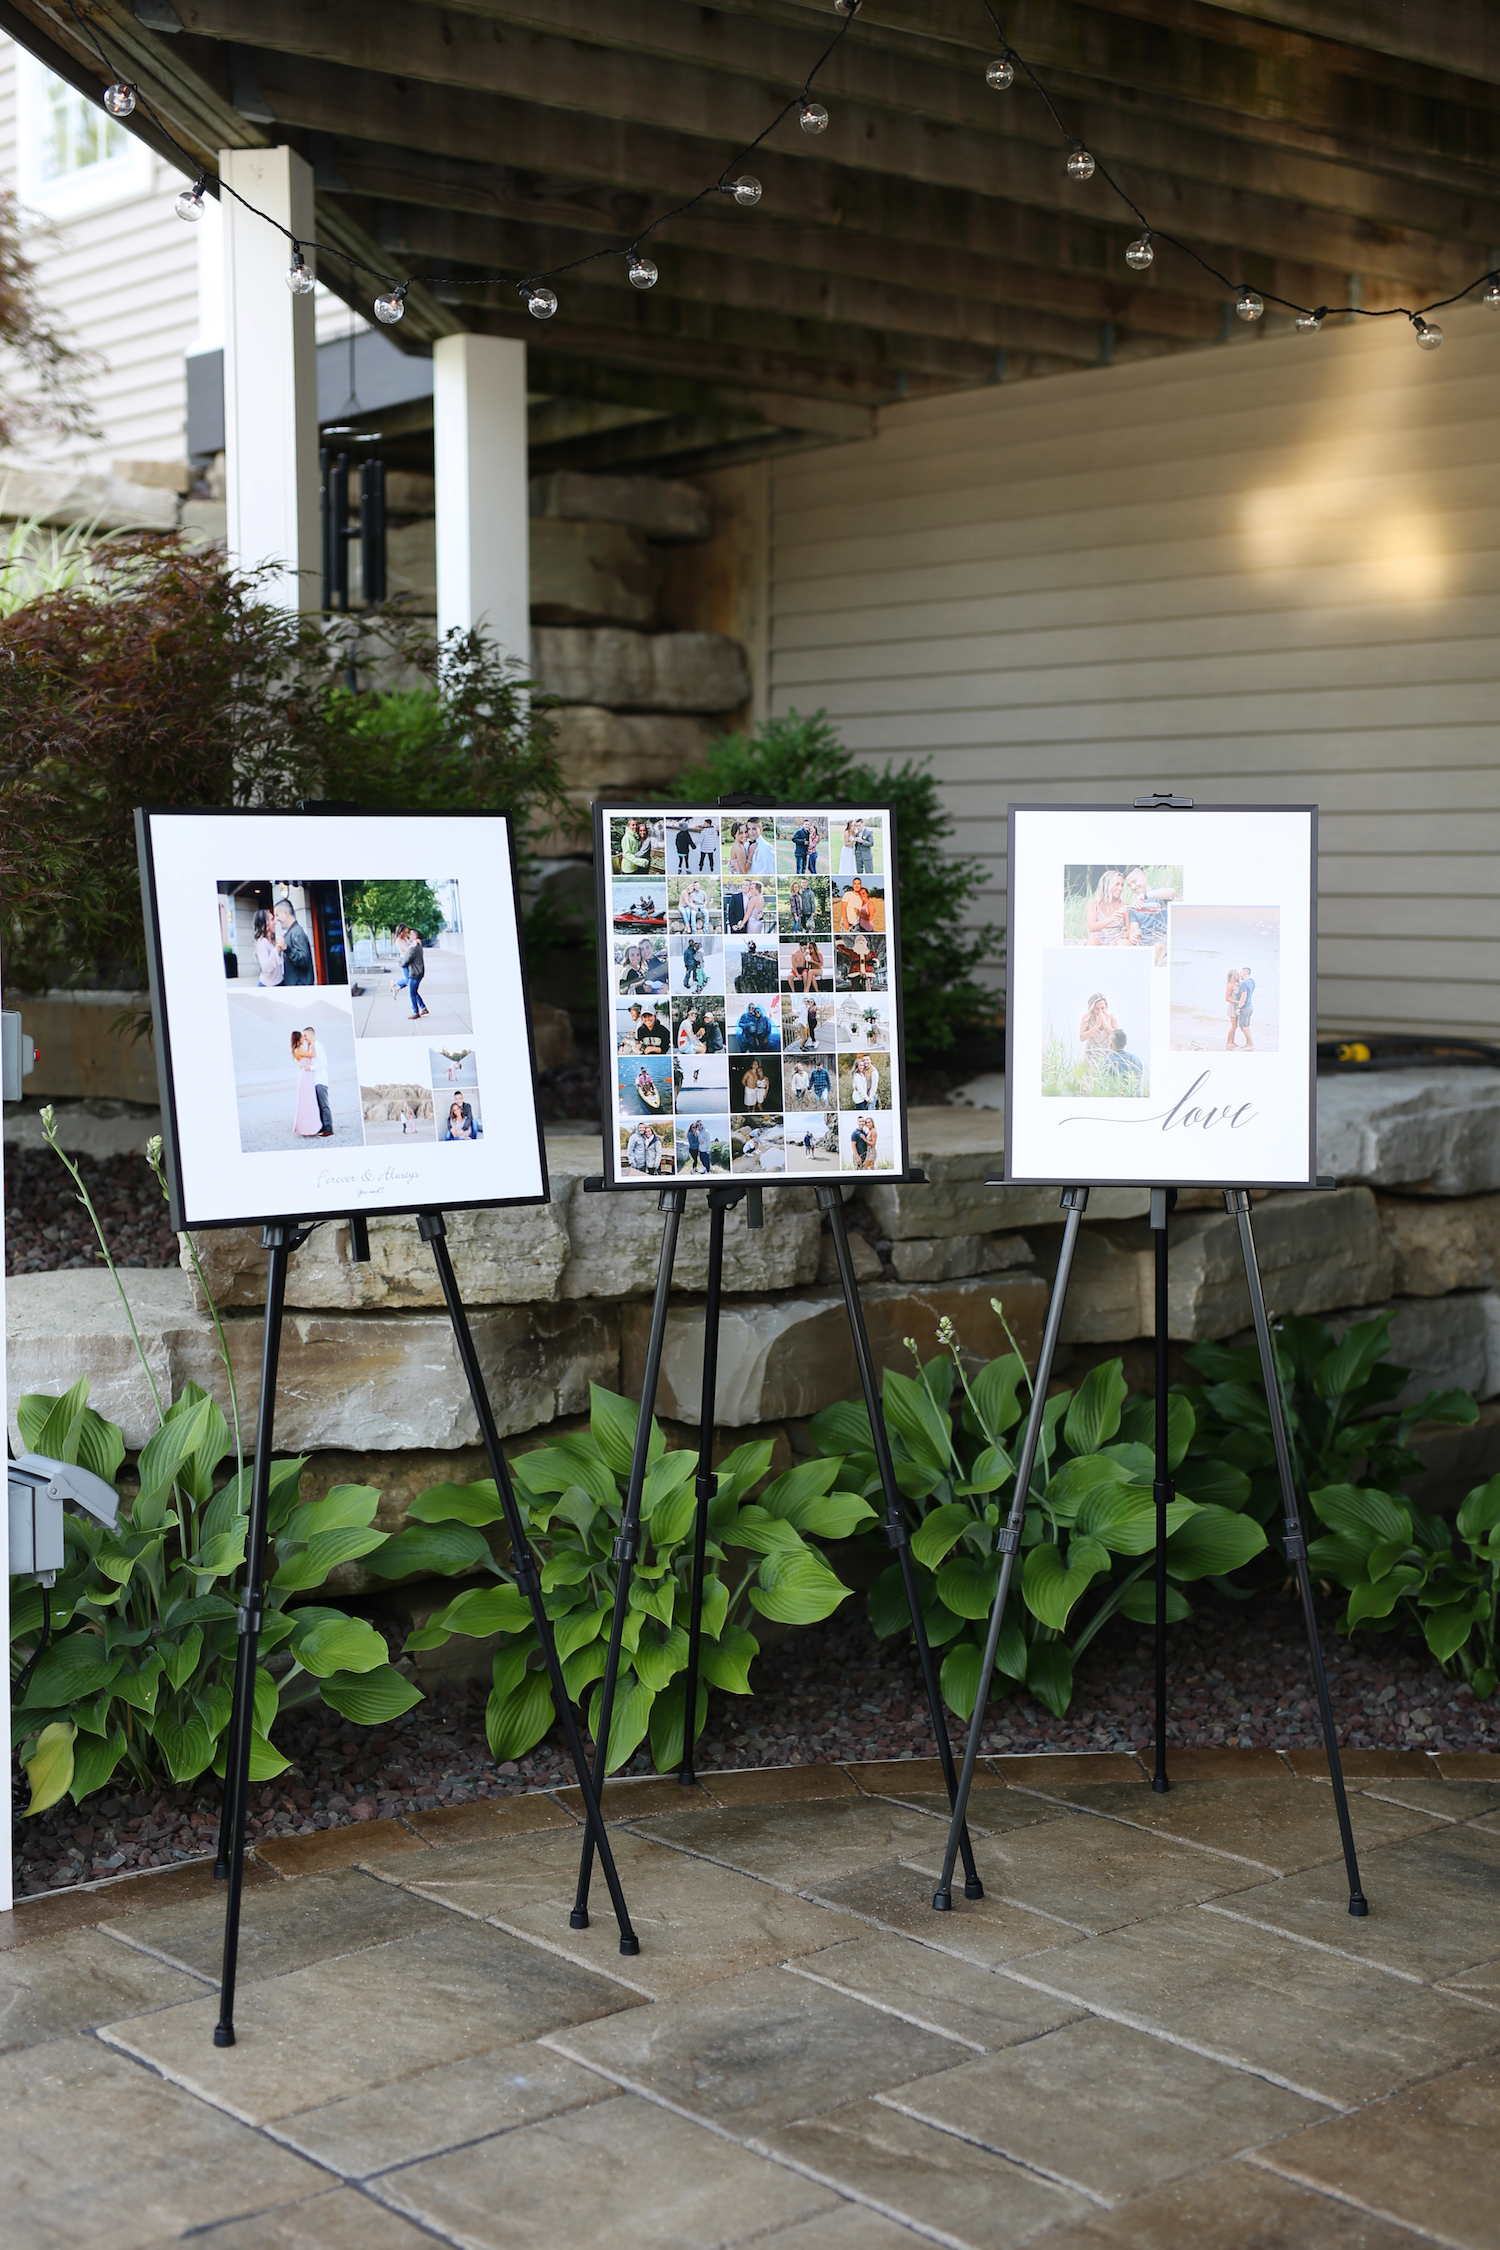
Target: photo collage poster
[751, 993]
[342, 1004]
[1160, 1026]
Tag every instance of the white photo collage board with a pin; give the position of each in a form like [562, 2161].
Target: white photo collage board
[1161, 1025]
[750, 993]
[340, 1013]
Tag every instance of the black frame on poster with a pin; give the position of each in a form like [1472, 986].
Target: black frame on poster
[182, 1220]
[601, 809]
[1185, 810]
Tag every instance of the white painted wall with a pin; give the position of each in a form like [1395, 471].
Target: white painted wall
[1261, 571]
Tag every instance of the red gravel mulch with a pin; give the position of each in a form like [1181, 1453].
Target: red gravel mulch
[1239, 1675]
[47, 1228]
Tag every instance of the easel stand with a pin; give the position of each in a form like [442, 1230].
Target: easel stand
[1237, 1204]
[720, 1201]
[281, 1240]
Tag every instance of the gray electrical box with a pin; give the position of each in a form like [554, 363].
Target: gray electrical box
[40, 1489]
[17, 1056]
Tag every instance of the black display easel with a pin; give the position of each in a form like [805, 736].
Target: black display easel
[281, 1238]
[1237, 1204]
[720, 1200]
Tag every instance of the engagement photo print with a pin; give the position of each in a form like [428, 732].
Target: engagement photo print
[346, 1023]
[1160, 1024]
[750, 998]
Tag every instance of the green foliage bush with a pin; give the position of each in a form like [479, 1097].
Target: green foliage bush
[802, 760]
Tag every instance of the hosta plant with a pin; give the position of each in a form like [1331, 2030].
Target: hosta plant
[1090, 1526]
[1402, 1565]
[760, 1562]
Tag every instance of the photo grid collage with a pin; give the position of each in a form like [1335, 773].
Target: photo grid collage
[1219, 964]
[349, 1015]
[751, 990]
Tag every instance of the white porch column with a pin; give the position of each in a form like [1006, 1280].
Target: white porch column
[270, 378]
[483, 515]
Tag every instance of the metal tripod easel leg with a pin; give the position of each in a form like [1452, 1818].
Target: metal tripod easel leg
[1162, 1200]
[720, 1202]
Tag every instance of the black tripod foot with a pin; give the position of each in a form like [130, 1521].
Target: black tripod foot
[223, 2034]
[686, 1778]
[1160, 1784]
[579, 1918]
[630, 1946]
[221, 1870]
[942, 1902]
[973, 1888]
[1358, 1903]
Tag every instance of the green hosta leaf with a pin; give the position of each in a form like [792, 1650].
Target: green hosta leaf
[1240, 1403]
[1138, 1603]
[553, 1469]
[175, 1443]
[994, 1391]
[666, 1477]
[1447, 1629]
[959, 1678]
[100, 1446]
[715, 1605]
[517, 1722]
[912, 1480]
[372, 1698]
[1362, 1513]
[725, 1663]
[1214, 1484]
[1094, 1416]
[1213, 1541]
[1338, 1557]
[70, 1669]
[921, 1424]
[266, 1761]
[431, 1550]
[49, 1769]
[577, 1629]
[480, 1611]
[310, 1565]
[342, 1507]
[653, 1600]
[48, 1423]
[222, 1555]
[139, 1687]
[1123, 1518]
[967, 1586]
[740, 1471]
[672, 1519]
[263, 1714]
[660, 1657]
[1480, 1512]
[842, 1428]
[339, 1644]
[939, 1531]
[1075, 1480]
[94, 1760]
[612, 1423]
[1374, 1601]
[666, 1724]
[1138, 1461]
[1052, 1586]
[583, 1665]
[477, 1503]
[510, 1665]
[565, 1568]
[628, 1722]
[761, 1534]
[833, 1515]
[1384, 1556]
[1049, 1675]
[797, 1588]
[1138, 1427]
[187, 1745]
[1456, 1407]
[786, 1494]
[26, 1614]
[992, 1468]
[885, 1604]
[285, 1490]
[1010, 1649]
[180, 1658]
[1350, 1363]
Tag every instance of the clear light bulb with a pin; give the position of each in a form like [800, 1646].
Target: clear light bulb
[390, 306]
[1139, 254]
[298, 279]
[813, 117]
[119, 99]
[1429, 335]
[1308, 323]
[189, 204]
[1080, 165]
[541, 302]
[1001, 74]
[746, 189]
[643, 273]
[1491, 296]
[844, 7]
[1249, 306]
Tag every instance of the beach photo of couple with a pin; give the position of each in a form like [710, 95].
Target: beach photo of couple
[1122, 904]
[1225, 979]
[1097, 1038]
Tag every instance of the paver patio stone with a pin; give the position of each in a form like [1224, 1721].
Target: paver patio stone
[1386, 1764]
[1038, 1769]
[626, 2173]
[850, 2226]
[759, 2050]
[442, 2108]
[1445, 1800]
[934, 1991]
[96, 2149]
[1326, 2026]
[1189, 1761]
[341, 2220]
[1236, 2206]
[1105, 2109]
[901, 1777]
[1091, 1874]
[778, 1785]
[1424, 2158]
[327, 1850]
[806, 1847]
[34, 1919]
[1467, 1765]
[1481, 1982]
[1265, 1824]
[282, 1928]
[1434, 1898]
[367, 2019]
[72, 1983]
[909, 2171]
[987, 1930]
[634, 1796]
[490, 1816]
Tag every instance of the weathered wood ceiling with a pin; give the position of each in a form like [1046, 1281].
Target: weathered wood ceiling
[930, 240]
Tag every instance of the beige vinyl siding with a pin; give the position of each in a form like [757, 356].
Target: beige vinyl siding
[1266, 571]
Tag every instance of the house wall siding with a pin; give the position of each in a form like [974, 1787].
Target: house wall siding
[1261, 572]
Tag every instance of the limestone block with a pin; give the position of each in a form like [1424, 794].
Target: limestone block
[591, 574]
[1110, 1290]
[660, 507]
[867, 1266]
[552, 1029]
[68, 495]
[1316, 1250]
[360, 1380]
[610, 750]
[1442, 1245]
[640, 671]
[411, 562]
[952, 1257]
[1430, 1132]
[793, 1355]
[616, 1243]
[510, 1257]
[957, 1202]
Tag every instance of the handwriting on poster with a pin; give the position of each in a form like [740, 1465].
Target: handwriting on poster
[1187, 1114]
